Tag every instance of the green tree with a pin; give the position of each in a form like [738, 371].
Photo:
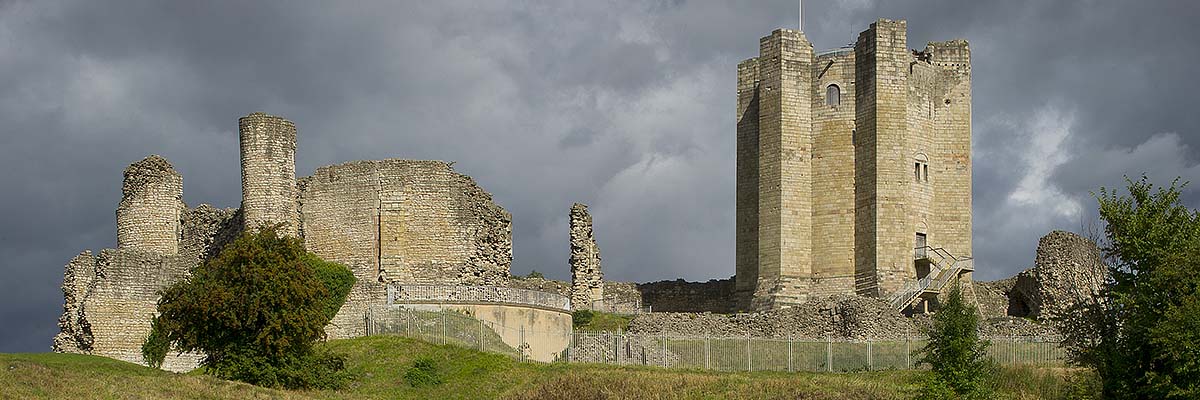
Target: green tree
[256, 311]
[1142, 335]
[955, 351]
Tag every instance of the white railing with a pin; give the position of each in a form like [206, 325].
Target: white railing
[939, 275]
[440, 294]
[708, 352]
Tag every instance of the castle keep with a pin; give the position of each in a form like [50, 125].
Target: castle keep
[849, 163]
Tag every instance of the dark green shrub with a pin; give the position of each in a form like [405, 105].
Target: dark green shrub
[424, 372]
[580, 318]
[1142, 336]
[955, 352]
[256, 311]
[535, 274]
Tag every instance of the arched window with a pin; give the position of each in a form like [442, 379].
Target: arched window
[921, 168]
[833, 95]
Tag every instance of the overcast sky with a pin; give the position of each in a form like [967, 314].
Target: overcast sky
[626, 106]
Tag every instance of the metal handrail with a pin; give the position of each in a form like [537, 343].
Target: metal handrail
[938, 276]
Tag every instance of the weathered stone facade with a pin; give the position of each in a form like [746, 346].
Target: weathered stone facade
[846, 160]
[268, 154]
[1068, 269]
[390, 221]
[151, 202]
[715, 295]
[587, 280]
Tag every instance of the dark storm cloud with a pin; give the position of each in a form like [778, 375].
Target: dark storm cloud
[625, 106]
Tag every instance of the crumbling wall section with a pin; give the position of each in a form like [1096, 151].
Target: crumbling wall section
[1068, 269]
[151, 203]
[837, 317]
[205, 230]
[587, 280]
[110, 300]
[715, 296]
[405, 221]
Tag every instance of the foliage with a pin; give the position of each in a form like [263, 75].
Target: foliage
[1142, 336]
[256, 311]
[156, 346]
[581, 318]
[955, 352]
[424, 372]
[534, 274]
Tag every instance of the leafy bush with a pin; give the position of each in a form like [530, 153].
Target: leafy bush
[256, 311]
[424, 372]
[581, 318]
[1142, 336]
[535, 274]
[955, 352]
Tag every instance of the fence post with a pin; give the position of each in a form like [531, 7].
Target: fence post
[706, 365]
[907, 348]
[748, 365]
[443, 326]
[663, 356]
[521, 347]
[870, 361]
[829, 353]
[480, 334]
[789, 347]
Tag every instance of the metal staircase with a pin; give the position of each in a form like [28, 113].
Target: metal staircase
[943, 267]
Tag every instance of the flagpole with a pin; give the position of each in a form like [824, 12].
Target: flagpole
[800, 16]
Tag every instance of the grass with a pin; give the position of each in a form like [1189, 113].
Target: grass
[381, 362]
[607, 322]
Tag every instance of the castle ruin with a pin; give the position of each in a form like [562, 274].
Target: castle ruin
[852, 163]
[389, 221]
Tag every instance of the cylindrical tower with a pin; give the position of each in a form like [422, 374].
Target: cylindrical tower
[151, 203]
[268, 150]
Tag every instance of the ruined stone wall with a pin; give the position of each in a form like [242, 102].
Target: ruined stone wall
[1068, 270]
[268, 155]
[402, 221]
[151, 202]
[837, 317]
[110, 300]
[206, 230]
[587, 280]
[681, 296]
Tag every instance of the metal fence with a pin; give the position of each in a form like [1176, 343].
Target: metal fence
[718, 353]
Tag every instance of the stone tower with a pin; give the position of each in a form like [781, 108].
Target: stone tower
[587, 281]
[151, 204]
[268, 152]
[847, 159]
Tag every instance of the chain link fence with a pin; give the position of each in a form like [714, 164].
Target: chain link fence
[695, 352]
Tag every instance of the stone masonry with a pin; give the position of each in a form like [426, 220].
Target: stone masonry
[846, 160]
[389, 221]
[587, 281]
[151, 203]
[1068, 269]
[268, 153]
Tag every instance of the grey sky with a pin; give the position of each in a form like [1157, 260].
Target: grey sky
[626, 106]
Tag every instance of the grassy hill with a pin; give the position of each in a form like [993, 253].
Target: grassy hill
[381, 363]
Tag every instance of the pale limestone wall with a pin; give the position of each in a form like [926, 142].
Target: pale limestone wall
[110, 299]
[785, 169]
[268, 155]
[746, 229]
[833, 173]
[587, 279]
[827, 198]
[402, 221]
[151, 202]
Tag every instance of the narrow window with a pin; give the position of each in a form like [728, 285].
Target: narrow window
[917, 171]
[833, 95]
[925, 172]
